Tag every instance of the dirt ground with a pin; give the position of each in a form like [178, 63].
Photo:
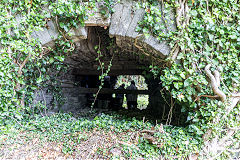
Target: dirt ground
[92, 145]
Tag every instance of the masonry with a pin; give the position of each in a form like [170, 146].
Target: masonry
[127, 58]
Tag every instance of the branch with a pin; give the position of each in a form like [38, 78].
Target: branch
[23, 64]
[233, 150]
[141, 49]
[217, 77]
[175, 51]
[208, 96]
[9, 51]
[102, 69]
[234, 101]
[215, 96]
[214, 82]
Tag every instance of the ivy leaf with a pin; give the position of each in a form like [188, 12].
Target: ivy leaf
[221, 31]
[211, 37]
[194, 13]
[59, 10]
[61, 24]
[182, 75]
[233, 36]
[51, 60]
[186, 83]
[39, 80]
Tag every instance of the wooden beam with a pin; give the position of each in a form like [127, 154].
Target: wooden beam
[83, 90]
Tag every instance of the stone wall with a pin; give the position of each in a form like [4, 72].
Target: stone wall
[121, 27]
[72, 100]
[157, 105]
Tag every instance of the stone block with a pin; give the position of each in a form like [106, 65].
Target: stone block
[52, 30]
[138, 16]
[125, 20]
[47, 36]
[115, 19]
[78, 34]
[97, 19]
[161, 47]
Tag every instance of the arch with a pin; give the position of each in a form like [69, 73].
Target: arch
[122, 25]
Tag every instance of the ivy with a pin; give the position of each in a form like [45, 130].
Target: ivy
[26, 65]
[207, 33]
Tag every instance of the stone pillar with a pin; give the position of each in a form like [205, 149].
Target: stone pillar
[157, 105]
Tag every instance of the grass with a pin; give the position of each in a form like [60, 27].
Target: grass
[107, 136]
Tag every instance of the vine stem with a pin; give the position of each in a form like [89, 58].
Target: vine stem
[142, 50]
[102, 70]
[9, 33]
[169, 119]
[16, 121]
[56, 18]
[215, 82]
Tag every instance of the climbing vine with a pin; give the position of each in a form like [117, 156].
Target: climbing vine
[104, 71]
[205, 46]
[202, 71]
[26, 65]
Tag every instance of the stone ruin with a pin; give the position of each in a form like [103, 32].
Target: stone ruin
[129, 59]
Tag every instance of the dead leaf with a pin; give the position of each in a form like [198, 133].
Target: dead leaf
[148, 131]
[150, 139]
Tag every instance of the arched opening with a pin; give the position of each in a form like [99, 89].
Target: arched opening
[100, 56]
[142, 99]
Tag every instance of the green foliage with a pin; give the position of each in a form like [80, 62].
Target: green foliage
[19, 78]
[126, 79]
[209, 37]
[140, 83]
[26, 65]
[69, 131]
[142, 101]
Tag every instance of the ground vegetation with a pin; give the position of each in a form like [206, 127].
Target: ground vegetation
[201, 74]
